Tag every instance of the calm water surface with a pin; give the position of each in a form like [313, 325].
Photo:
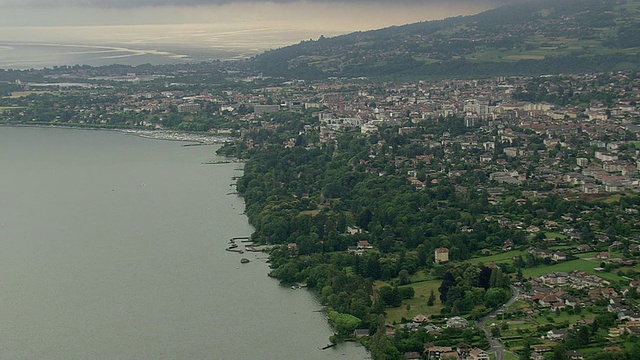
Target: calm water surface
[112, 247]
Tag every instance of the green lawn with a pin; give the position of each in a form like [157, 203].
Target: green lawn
[593, 254]
[497, 258]
[511, 356]
[568, 266]
[519, 305]
[564, 317]
[418, 303]
[555, 235]
[611, 199]
[420, 276]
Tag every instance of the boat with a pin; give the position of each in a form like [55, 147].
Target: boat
[244, 260]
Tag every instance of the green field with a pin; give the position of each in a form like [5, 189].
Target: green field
[564, 317]
[611, 199]
[511, 356]
[568, 266]
[593, 254]
[554, 235]
[5, 108]
[418, 303]
[497, 258]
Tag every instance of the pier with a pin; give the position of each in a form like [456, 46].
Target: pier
[233, 247]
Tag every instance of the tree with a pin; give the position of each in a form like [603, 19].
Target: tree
[382, 347]
[495, 331]
[559, 352]
[495, 297]
[432, 299]
[404, 277]
[406, 292]
[448, 282]
[344, 323]
[496, 279]
[525, 354]
[390, 296]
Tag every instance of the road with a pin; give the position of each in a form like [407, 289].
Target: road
[496, 345]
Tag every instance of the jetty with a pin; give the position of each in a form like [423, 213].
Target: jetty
[218, 162]
[233, 247]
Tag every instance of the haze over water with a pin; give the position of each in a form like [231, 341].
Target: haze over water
[46, 33]
[112, 247]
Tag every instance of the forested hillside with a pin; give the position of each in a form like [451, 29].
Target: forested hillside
[529, 38]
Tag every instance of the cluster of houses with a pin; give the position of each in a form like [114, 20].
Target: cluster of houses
[575, 279]
[461, 351]
[548, 291]
[360, 248]
[500, 124]
[556, 256]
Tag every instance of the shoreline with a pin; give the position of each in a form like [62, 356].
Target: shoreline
[168, 135]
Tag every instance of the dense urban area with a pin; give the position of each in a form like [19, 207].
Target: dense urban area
[471, 219]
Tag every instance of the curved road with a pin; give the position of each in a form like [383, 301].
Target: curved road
[496, 345]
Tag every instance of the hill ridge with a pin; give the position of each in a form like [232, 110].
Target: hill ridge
[525, 38]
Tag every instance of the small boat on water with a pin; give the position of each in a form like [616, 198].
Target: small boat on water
[244, 260]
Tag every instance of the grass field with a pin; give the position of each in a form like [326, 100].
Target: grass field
[611, 199]
[418, 305]
[497, 258]
[568, 266]
[593, 254]
[554, 235]
[511, 356]
[564, 317]
[5, 108]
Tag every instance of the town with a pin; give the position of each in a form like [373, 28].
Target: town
[529, 184]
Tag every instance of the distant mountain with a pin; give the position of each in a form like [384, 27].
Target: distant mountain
[527, 38]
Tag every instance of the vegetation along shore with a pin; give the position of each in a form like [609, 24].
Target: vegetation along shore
[464, 188]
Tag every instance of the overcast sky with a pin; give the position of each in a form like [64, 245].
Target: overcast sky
[246, 26]
[136, 3]
[136, 12]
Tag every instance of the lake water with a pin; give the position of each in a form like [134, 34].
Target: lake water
[112, 247]
[29, 55]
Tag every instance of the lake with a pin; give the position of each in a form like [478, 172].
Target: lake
[112, 247]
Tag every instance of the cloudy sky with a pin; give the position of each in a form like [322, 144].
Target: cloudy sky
[242, 26]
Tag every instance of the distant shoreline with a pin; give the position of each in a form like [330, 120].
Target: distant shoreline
[169, 135]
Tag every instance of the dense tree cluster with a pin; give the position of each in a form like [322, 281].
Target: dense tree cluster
[465, 287]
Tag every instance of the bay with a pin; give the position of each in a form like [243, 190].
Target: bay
[112, 247]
